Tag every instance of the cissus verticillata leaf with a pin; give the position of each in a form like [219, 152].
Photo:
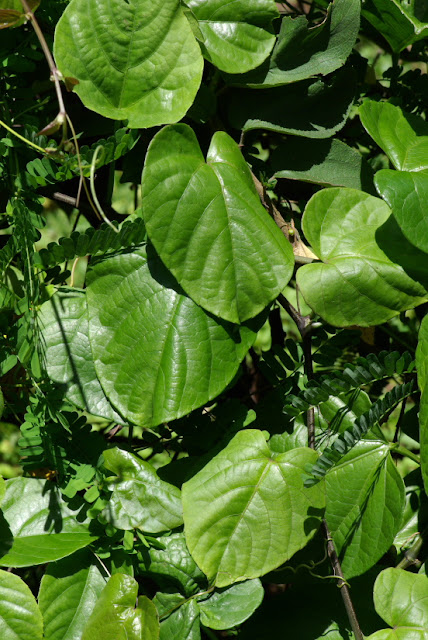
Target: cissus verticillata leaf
[399, 21]
[182, 621]
[228, 607]
[43, 527]
[246, 512]
[135, 60]
[157, 354]
[235, 36]
[369, 271]
[315, 108]
[365, 501]
[63, 320]
[20, 617]
[401, 599]
[117, 617]
[68, 592]
[140, 499]
[302, 51]
[208, 226]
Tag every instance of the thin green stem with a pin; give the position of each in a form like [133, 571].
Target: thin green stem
[407, 453]
[94, 193]
[15, 133]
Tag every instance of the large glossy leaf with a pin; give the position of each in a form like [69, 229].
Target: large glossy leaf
[115, 616]
[236, 36]
[20, 617]
[369, 272]
[231, 606]
[325, 162]
[407, 194]
[402, 136]
[68, 592]
[401, 598]
[43, 527]
[365, 501]
[136, 60]
[68, 357]
[246, 512]
[315, 109]
[140, 499]
[400, 22]
[173, 565]
[181, 621]
[302, 52]
[157, 354]
[209, 227]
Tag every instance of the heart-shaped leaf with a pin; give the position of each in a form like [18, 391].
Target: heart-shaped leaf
[209, 227]
[400, 23]
[315, 109]
[140, 498]
[401, 599]
[231, 606]
[157, 354]
[43, 527]
[365, 501]
[246, 512]
[115, 616]
[136, 60]
[20, 617]
[68, 592]
[68, 356]
[236, 36]
[302, 51]
[403, 136]
[407, 194]
[358, 282]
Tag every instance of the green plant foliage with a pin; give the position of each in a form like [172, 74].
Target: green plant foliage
[422, 361]
[320, 49]
[116, 617]
[140, 499]
[214, 215]
[357, 281]
[401, 598]
[231, 606]
[182, 622]
[400, 23]
[38, 531]
[146, 71]
[68, 592]
[235, 36]
[260, 515]
[138, 316]
[20, 616]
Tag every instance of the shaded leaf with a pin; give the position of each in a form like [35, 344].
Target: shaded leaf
[208, 225]
[140, 499]
[134, 60]
[20, 617]
[359, 281]
[246, 512]
[401, 23]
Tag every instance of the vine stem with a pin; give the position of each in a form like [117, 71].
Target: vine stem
[15, 133]
[304, 326]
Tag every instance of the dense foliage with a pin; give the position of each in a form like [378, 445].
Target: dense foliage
[213, 349]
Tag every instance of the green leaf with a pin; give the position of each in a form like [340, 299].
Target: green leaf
[68, 357]
[407, 195]
[2, 489]
[422, 369]
[173, 565]
[365, 501]
[315, 108]
[237, 36]
[20, 617]
[157, 354]
[302, 51]
[140, 498]
[68, 592]
[370, 273]
[182, 622]
[401, 599]
[231, 606]
[402, 136]
[43, 527]
[12, 13]
[400, 22]
[246, 512]
[325, 162]
[135, 60]
[115, 616]
[220, 243]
